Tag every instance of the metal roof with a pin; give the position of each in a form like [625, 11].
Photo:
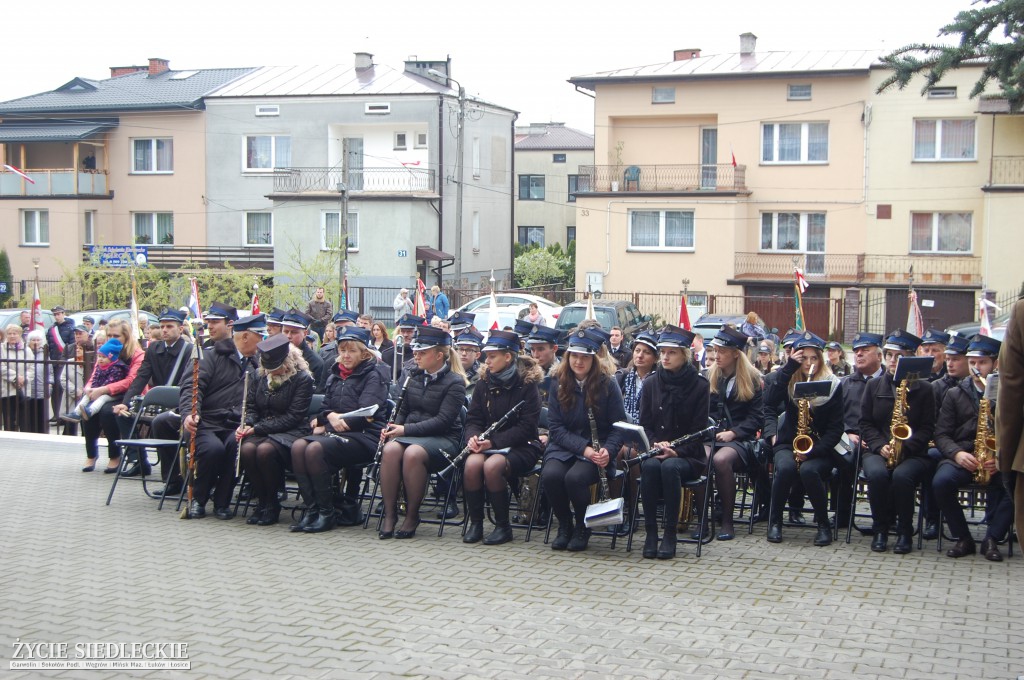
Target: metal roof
[330, 79]
[50, 132]
[131, 92]
[737, 65]
[554, 136]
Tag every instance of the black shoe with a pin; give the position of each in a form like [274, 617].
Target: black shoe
[308, 518]
[580, 539]
[796, 517]
[449, 511]
[931, 531]
[499, 535]
[775, 532]
[403, 534]
[172, 489]
[904, 544]
[324, 522]
[254, 518]
[651, 545]
[824, 535]
[223, 513]
[196, 511]
[561, 541]
[132, 470]
[245, 493]
[696, 533]
[964, 548]
[990, 550]
[667, 549]
[89, 468]
[474, 533]
[271, 515]
[880, 543]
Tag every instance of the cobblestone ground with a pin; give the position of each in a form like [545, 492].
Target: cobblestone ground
[260, 602]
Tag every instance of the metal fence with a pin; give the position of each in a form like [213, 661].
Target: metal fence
[35, 390]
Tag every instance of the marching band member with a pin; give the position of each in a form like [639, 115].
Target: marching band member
[295, 325]
[219, 319]
[867, 364]
[406, 328]
[933, 344]
[837, 362]
[772, 410]
[274, 317]
[427, 424]
[277, 403]
[337, 442]
[467, 345]
[765, 362]
[631, 378]
[219, 399]
[542, 344]
[504, 381]
[895, 490]
[584, 386]
[673, 402]
[825, 427]
[737, 403]
[956, 434]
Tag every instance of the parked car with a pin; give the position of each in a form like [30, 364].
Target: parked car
[9, 316]
[521, 301]
[505, 317]
[112, 314]
[972, 328]
[621, 313]
[708, 324]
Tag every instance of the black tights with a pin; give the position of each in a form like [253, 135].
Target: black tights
[567, 486]
[403, 463]
[492, 471]
[262, 464]
[308, 458]
[727, 462]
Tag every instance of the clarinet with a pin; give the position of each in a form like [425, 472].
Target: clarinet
[650, 453]
[375, 465]
[486, 434]
[245, 399]
[602, 474]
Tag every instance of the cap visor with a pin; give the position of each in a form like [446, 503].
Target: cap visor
[580, 350]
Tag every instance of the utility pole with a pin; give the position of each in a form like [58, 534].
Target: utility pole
[460, 168]
[343, 303]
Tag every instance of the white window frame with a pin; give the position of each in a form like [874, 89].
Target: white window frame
[268, 110]
[476, 232]
[401, 141]
[420, 140]
[153, 155]
[660, 248]
[476, 158]
[663, 95]
[152, 228]
[89, 221]
[938, 158]
[273, 153]
[353, 219]
[802, 245]
[942, 92]
[799, 97]
[36, 216]
[935, 233]
[245, 229]
[805, 127]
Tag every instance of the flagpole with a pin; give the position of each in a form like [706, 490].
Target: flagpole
[37, 302]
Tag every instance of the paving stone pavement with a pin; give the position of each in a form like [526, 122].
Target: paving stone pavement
[260, 602]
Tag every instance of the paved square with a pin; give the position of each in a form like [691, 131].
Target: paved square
[261, 602]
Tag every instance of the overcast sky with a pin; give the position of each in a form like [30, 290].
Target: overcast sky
[519, 56]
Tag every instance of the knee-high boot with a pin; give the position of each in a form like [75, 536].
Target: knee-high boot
[312, 512]
[324, 503]
[475, 510]
[502, 529]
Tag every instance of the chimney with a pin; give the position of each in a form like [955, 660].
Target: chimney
[364, 60]
[748, 44]
[158, 66]
[116, 71]
[684, 55]
[423, 68]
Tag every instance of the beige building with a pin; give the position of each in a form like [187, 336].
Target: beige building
[548, 157]
[729, 170]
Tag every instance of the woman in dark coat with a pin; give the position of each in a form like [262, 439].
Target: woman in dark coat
[585, 385]
[505, 380]
[337, 442]
[806, 363]
[673, 403]
[426, 429]
[276, 407]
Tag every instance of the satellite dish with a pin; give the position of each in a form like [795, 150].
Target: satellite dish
[140, 259]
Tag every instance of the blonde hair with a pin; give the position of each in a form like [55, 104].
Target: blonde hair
[452, 357]
[748, 378]
[130, 342]
[364, 351]
[822, 371]
[293, 364]
[752, 317]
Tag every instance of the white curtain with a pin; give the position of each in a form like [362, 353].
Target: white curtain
[954, 232]
[817, 141]
[957, 139]
[258, 152]
[164, 155]
[165, 228]
[645, 225]
[143, 155]
[788, 232]
[678, 229]
[924, 139]
[789, 141]
[816, 233]
[766, 231]
[921, 231]
[258, 229]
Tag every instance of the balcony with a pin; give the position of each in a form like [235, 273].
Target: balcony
[663, 179]
[859, 269]
[205, 257]
[57, 183]
[399, 181]
[1007, 174]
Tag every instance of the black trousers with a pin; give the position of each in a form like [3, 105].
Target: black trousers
[104, 422]
[893, 492]
[215, 466]
[949, 479]
[167, 425]
[663, 480]
[818, 472]
[567, 486]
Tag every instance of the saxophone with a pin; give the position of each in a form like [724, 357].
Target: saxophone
[984, 437]
[802, 442]
[899, 428]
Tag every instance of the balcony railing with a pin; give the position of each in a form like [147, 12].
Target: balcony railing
[326, 180]
[206, 257]
[662, 178]
[55, 182]
[1007, 171]
[860, 268]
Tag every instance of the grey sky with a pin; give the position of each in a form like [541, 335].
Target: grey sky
[515, 55]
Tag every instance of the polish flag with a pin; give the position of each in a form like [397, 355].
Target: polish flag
[37, 311]
[733, 154]
[16, 171]
[254, 307]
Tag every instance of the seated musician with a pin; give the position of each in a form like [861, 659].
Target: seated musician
[505, 380]
[337, 442]
[674, 402]
[467, 345]
[219, 408]
[427, 425]
[890, 490]
[737, 404]
[584, 386]
[276, 407]
[824, 427]
[957, 433]
[630, 380]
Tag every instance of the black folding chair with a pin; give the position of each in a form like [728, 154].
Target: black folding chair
[164, 397]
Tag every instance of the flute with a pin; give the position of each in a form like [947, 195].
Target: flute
[245, 399]
[486, 434]
[654, 451]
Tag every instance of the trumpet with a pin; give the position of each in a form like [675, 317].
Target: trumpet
[654, 451]
[486, 434]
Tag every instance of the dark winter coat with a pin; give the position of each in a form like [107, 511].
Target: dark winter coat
[957, 425]
[364, 387]
[282, 414]
[220, 386]
[744, 418]
[877, 405]
[491, 401]
[774, 404]
[432, 410]
[569, 431]
[826, 426]
[66, 331]
[316, 367]
[940, 387]
[853, 392]
[157, 365]
[665, 417]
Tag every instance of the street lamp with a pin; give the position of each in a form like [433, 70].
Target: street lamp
[343, 245]
[459, 171]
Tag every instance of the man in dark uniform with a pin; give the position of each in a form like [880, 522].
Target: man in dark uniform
[461, 321]
[867, 364]
[542, 343]
[295, 324]
[274, 321]
[219, 409]
[345, 318]
[401, 351]
[933, 344]
[955, 435]
[218, 318]
[164, 364]
[60, 342]
[468, 345]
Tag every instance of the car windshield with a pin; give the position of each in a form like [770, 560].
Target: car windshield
[572, 316]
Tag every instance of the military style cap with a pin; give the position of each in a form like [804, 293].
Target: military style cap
[345, 317]
[867, 340]
[902, 341]
[984, 346]
[219, 310]
[172, 315]
[523, 328]
[275, 315]
[460, 321]
[673, 336]
[585, 342]
[647, 339]
[542, 334]
[791, 337]
[353, 334]
[934, 337]
[502, 341]
[410, 321]
[296, 319]
[428, 336]
[470, 338]
[253, 324]
[728, 336]
[809, 339]
[273, 351]
[957, 344]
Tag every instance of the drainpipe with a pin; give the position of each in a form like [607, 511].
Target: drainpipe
[437, 174]
[512, 207]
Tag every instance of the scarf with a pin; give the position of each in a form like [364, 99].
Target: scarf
[504, 377]
[676, 385]
[631, 385]
[343, 372]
